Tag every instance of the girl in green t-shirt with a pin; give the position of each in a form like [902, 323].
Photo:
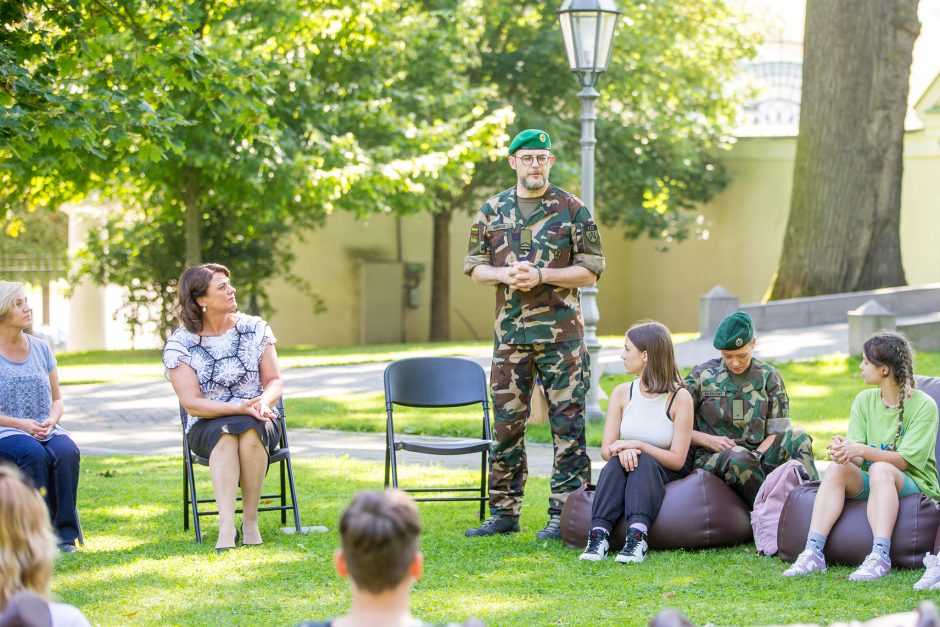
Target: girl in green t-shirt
[888, 453]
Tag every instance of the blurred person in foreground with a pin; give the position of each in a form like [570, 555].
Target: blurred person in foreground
[27, 555]
[379, 532]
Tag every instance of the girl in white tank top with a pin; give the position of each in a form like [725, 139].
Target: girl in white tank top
[646, 443]
[647, 419]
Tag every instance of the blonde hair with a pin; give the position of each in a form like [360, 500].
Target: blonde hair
[27, 542]
[9, 290]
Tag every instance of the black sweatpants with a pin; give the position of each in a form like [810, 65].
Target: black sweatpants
[636, 495]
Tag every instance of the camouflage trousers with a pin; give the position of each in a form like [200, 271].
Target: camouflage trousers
[744, 468]
[564, 370]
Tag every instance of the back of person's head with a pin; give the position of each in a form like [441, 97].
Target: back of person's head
[379, 533]
[27, 542]
[193, 284]
[9, 291]
[661, 374]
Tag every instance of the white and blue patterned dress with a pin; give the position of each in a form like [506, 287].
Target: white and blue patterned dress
[226, 365]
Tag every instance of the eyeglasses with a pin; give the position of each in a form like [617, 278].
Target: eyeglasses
[528, 159]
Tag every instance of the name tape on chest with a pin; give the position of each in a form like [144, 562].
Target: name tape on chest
[499, 227]
[713, 394]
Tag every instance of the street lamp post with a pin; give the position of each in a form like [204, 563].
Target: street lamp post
[588, 29]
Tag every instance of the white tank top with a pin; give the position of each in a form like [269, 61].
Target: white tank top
[645, 419]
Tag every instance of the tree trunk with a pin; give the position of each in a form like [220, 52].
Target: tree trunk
[440, 276]
[192, 217]
[843, 230]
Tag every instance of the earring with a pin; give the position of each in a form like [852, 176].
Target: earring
[204, 309]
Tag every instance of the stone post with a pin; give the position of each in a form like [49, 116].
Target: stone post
[713, 307]
[867, 320]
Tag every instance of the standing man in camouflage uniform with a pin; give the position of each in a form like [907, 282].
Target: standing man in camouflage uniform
[537, 244]
[742, 413]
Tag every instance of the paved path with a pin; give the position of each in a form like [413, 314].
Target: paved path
[143, 417]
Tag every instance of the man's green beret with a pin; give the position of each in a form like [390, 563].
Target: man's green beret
[734, 332]
[531, 138]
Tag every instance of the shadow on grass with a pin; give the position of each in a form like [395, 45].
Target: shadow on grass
[140, 567]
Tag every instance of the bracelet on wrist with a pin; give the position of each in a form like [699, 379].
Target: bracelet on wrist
[539, 270]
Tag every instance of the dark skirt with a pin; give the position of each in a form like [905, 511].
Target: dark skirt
[206, 432]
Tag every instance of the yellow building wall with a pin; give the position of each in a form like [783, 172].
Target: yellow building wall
[745, 223]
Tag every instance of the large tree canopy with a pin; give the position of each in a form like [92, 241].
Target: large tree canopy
[223, 125]
[843, 229]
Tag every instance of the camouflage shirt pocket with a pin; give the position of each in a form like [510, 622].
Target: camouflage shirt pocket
[556, 248]
[499, 241]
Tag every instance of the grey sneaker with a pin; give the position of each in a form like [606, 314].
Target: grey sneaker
[634, 549]
[552, 530]
[597, 546]
[931, 576]
[874, 567]
[495, 525]
[807, 562]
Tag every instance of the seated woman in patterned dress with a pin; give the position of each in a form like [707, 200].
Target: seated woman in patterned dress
[223, 367]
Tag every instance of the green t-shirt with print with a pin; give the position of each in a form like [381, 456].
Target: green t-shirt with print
[874, 424]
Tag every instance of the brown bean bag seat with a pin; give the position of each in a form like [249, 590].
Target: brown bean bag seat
[698, 512]
[851, 537]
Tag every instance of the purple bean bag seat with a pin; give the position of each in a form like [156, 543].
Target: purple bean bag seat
[850, 539]
[698, 512]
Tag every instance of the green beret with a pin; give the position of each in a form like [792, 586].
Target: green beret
[531, 138]
[734, 332]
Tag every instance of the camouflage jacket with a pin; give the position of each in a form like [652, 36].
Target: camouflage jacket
[558, 234]
[742, 414]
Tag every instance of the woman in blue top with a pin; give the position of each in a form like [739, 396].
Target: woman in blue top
[224, 369]
[30, 410]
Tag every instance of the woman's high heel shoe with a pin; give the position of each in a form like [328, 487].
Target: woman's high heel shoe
[229, 548]
[253, 543]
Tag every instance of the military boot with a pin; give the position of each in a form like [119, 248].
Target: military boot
[495, 525]
[552, 530]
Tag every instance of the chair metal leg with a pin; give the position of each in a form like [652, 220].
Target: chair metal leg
[185, 496]
[194, 500]
[283, 494]
[78, 522]
[387, 463]
[394, 465]
[483, 469]
[293, 496]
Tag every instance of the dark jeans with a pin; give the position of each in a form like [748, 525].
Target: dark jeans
[53, 467]
[636, 495]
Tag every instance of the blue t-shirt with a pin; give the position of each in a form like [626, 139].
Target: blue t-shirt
[25, 391]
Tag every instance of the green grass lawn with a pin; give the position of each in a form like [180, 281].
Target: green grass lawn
[140, 567]
[821, 393]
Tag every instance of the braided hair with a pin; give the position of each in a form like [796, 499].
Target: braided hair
[893, 350]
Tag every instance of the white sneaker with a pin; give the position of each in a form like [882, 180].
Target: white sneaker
[874, 567]
[806, 562]
[635, 548]
[597, 546]
[931, 578]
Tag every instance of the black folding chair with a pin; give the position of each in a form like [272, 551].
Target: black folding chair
[281, 455]
[437, 382]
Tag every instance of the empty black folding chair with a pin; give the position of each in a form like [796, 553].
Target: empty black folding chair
[437, 382]
[281, 455]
